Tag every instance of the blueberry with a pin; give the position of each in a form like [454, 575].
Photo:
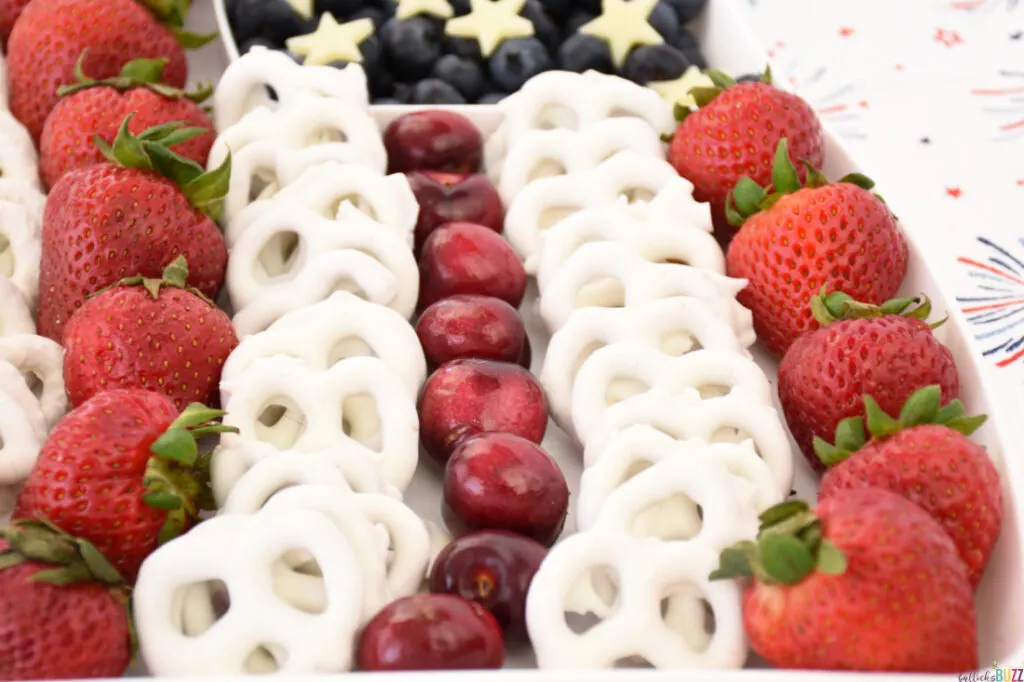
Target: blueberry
[557, 9]
[492, 98]
[517, 61]
[648, 63]
[589, 6]
[696, 57]
[665, 21]
[465, 75]
[255, 42]
[581, 53]
[461, 7]
[402, 93]
[339, 8]
[687, 10]
[435, 91]
[684, 40]
[544, 29]
[376, 15]
[575, 20]
[382, 84]
[274, 20]
[411, 46]
[749, 78]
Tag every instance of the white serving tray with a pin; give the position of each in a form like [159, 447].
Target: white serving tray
[729, 45]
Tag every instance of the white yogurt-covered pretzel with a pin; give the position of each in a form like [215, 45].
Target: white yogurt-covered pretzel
[389, 541]
[543, 153]
[606, 275]
[41, 361]
[285, 239]
[346, 466]
[358, 399]
[15, 317]
[620, 370]
[27, 196]
[577, 101]
[261, 632]
[542, 203]
[325, 188]
[243, 86]
[663, 501]
[18, 159]
[341, 270]
[685, 416]
[640, 447]
[20, 249]
[648, 571]
[341, 326]
[22, 426]
[634, 229]
[673, 325]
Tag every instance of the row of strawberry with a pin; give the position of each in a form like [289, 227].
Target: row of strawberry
[321, 429]
[643, 321]
[905, 500]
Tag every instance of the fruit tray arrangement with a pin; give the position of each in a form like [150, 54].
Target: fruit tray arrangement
[471, 51]
[577, 382]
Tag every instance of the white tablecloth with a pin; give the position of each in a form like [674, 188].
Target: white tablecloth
[929, 96]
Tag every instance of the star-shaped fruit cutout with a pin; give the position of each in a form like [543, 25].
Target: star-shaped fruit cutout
[678, 91]
[408, 9]
[490, 23]
[331, 41]
[304, 8]
[623, 25]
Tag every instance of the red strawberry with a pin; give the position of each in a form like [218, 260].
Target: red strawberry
[797, 240]
[115, 220]
[63, 607]
[10, 10]
[926, 457]
[50, 35]
[885, 351]
[868, 581]
[153, 334]
[735, 133]
[97, 107]
[122, 470]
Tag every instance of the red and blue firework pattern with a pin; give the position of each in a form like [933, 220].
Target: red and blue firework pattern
[995, 304]
[1006, 103]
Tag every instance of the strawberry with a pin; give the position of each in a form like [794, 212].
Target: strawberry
[867, 581]
[123, 471]
[10, 10]
[63, 607]
[925, 456]
[885, 351]
[50, 35]
[97, 107]
[735, 132]
[129, 217]
[799, 239]
[154, 334]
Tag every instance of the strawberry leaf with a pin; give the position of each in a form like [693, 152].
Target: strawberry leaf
[922, 407]
[781, 512]
[850, 434]
[785, 558]
[65, 575]
[721, 79]
[144, 70]
[192, 41]
[733, 562]
[784, 176]
[954, 409]
[98, 566]
[831, 560]
[966, 425]
[207, 191]
[177, 445]
[860, 180]
[880, 425]
[170, 12]
[9, 559]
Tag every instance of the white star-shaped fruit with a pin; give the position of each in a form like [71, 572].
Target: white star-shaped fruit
[407, 9]
[623, 25]
[491, 22]
[331, 41]
[678, 91]
[304, 8]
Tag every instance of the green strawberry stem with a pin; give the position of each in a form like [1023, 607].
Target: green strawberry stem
[788, 548]
[924, 406]
[172, 13]
[75, 560]
[832, 307]
[749, 198]
[703, 94]
[150, 150]
[174, 276]
[177, 476]
[138, 73]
